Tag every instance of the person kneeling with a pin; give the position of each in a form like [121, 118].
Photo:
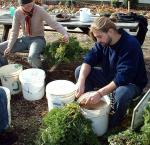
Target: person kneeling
[122, 71]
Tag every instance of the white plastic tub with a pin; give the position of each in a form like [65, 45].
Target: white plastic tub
[32, 82]
[9, 75]
[99, 116]
[59, 93]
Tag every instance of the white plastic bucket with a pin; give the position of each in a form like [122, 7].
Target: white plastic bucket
[9, 75]
[8, 103]
[32, 82]
[59, 93]
[99, 117]
[85, 15]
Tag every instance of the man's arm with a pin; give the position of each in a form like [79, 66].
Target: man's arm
[107, 89]
[15, 30]
[95, 97]
[84, 72]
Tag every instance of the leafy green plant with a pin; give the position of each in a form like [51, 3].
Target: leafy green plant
[66, 126]
[146, 127]
[58, 51]
[129, 137]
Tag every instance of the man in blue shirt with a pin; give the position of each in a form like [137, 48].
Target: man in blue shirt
[6, 137]
[122, 70]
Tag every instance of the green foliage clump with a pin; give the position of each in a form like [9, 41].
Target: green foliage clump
[146, 127]
[66, 126]
[58, 51]
[129, 137]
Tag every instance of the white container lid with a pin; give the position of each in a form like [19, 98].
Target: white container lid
[60, 87]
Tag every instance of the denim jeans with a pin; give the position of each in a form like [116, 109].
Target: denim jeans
[3, 110]
[122, 96]
[35, 45]
[3, 60]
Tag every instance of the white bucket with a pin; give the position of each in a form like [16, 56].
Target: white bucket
[99, 117]
[32, 82]
[9, 75]
[85, 15]
[8, 103]
[59, 93]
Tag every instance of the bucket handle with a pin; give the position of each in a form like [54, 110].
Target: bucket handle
[17, 86]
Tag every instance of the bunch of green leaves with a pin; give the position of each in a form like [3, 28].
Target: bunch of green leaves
[66, 126]
[146, 127]
[129, 137]
[58, 51]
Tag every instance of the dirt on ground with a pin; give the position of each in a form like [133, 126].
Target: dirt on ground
[27, 115]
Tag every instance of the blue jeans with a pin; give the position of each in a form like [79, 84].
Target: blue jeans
[35, 45]
[3, 110]
[121, 97]
[3, 60]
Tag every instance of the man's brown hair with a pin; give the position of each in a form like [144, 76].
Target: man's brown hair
[101, 24]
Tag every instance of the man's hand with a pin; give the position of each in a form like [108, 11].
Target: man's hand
[66, 38]
[94, 98]
[7, 51]
[80, 89]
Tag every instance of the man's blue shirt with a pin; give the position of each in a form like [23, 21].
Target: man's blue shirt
[122, 62]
